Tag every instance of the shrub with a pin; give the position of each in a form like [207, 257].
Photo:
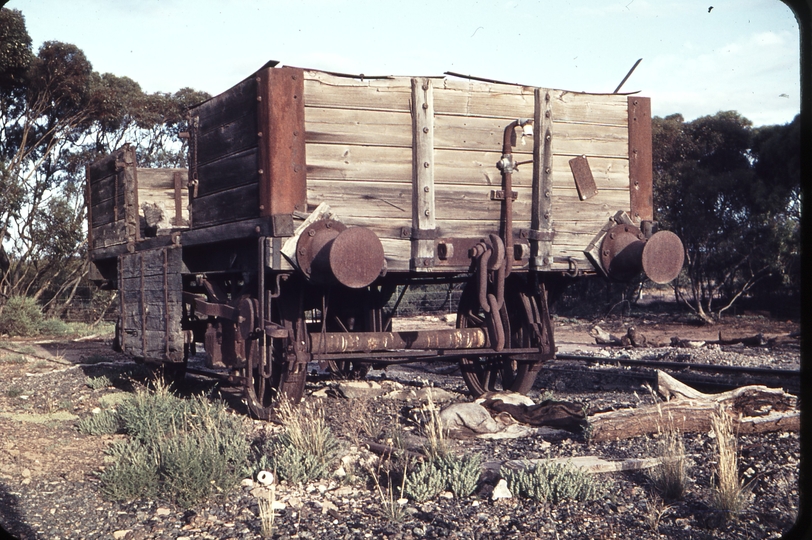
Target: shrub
[187, 450]
[460, 475]
[54, 327]
[307, 448]
[20, 316]
[553, 482]
[104, 423]
[98, 383]
[425, 482]
[133, 473]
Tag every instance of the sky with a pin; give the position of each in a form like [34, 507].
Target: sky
[699, 56]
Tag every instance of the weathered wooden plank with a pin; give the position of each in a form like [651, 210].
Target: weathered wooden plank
[153, 262]
[472, 98]
[227, 173]
[235, 136]
[150, 179]
[358, 127]
[324, 90]
[423, 190]
[609, 173]
[109, 234]
[590, 139]
[476, 133]
[157, 187]
[363, 198]
[237, 101]
[332, 161]
[226, 206]
[108, 210]
[103, 189]
[606, 109]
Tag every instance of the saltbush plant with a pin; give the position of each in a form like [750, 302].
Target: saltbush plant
[460, 475]
[103, 423]
[553, 482]
[184, 450]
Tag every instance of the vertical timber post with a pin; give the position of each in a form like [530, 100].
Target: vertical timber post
[541, 226]
[424, 229]
[281, 138]
[641, 194]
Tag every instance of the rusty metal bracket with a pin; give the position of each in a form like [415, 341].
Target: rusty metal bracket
[421, 262]
[541, 236]
[418, 234]
[499, 195]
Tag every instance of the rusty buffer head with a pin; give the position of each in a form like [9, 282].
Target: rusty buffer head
[625, 252]
[328, 251]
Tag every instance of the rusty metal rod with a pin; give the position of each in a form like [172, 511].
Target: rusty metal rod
[348, 342]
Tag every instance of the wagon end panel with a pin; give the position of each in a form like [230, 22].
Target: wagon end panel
[112, 199]
[247, 156]
[151, 304]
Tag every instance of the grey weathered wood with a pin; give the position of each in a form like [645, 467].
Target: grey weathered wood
[423, 191]
[234, 170]
[541, 211]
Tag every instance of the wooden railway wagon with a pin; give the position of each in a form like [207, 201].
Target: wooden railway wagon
[311, 197]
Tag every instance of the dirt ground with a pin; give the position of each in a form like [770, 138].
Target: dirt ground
[46, 386]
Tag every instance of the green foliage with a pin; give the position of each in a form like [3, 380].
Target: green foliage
[15, 49]
[732, 194]
[184, 450]
[553, 482]
[460, 475]
[133, 474]
[98, 383]
[307, 448]
[104, 423]
[20, 316]
[425, 482]
[54, 327]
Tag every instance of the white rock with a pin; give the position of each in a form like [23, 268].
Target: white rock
[501, 491]
[247, 482]
[118, 535]
[278, 505]
[163, 511]
[340, 472]
[260, 492]
[326, 506]
[447, 495]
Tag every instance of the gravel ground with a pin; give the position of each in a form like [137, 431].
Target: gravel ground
[49, 487]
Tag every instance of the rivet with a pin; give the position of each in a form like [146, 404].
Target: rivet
[262, 207]
[547, 170]
[301, 251]
[259, 134]
[329, 224]
[425, 87]
[258, 79]
[547, 114]
[311, 232]
[425, 106]
[260, 171]
[257, 229]
[296, 168]
[427, 213]
[547, 194]
[426, 189]
[425, 130]
[426, 164]
[259, 98]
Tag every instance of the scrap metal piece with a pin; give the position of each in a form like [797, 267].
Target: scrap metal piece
[584, 180]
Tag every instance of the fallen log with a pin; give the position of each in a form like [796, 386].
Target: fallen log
[753, 409]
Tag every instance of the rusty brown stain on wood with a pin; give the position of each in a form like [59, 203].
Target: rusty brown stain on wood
[282, 149]
[641, 192]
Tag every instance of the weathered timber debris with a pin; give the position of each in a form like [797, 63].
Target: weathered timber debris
[754, 409]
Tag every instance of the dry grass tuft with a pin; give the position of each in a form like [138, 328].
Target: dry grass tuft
[730, 493]
[670, 476]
